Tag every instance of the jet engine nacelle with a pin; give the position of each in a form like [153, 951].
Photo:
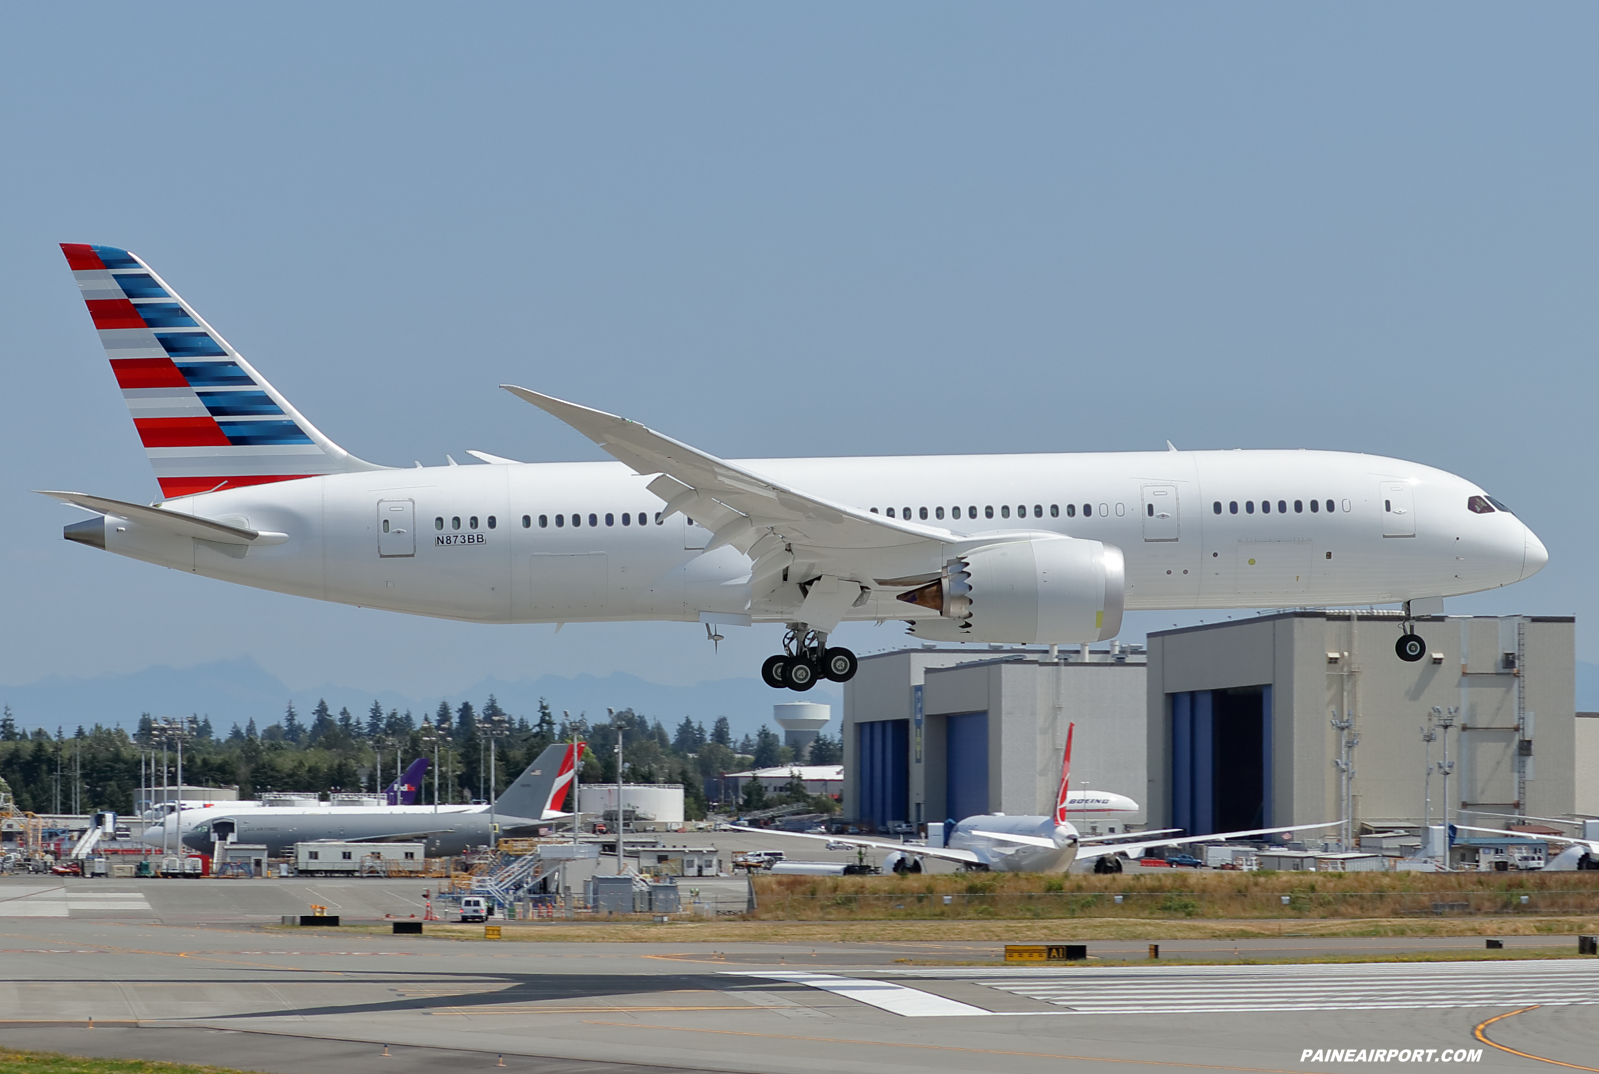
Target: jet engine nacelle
[1047, 589]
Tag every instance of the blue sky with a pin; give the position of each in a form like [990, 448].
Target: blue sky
[767, 230]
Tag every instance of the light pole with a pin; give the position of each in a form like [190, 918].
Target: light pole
[175, 730]
[1345, 764]
[1445, 719]
[430, 737]
[577, 779]
[618, 728]
[495, 728]
[1429, 735]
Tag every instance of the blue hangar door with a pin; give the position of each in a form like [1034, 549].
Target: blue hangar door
[1221, 760]
[966, 770]
[883, 747]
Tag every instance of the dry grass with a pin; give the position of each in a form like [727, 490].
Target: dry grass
[14, 1062]
[1175, 895]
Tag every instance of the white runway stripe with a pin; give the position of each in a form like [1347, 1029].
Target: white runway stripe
[1201, 990]
[895, 998]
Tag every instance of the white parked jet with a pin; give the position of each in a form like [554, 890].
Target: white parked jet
[1027, 844]
[988, 548]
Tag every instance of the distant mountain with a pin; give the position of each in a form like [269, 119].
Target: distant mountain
[230, 691]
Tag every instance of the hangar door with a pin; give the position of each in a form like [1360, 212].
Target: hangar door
[1221, 776]
[966, 771]
[883, 751]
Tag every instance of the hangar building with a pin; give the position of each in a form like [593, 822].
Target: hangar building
[941, 733]
[1241, 720]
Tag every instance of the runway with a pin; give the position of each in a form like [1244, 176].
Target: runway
[314, 1001]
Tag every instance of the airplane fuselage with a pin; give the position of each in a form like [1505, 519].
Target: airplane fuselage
[573, 542]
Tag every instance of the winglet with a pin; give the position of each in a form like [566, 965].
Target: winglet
[1065, 778]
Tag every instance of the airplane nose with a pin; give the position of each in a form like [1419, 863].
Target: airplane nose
[1535, 556]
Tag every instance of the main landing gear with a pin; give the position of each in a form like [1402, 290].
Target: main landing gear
[1411, 646]
[805, 659]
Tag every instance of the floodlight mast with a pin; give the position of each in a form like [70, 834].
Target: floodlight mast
[1345, 763]
[1445, 719]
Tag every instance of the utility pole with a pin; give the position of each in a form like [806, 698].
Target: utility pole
[430, 737]
[495, 728]
[60, 745]
[1429, 735]
[618, 729]
[1345, 764]
[1445, 719]
[577, 779]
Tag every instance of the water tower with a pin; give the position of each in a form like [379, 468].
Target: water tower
[801, 721]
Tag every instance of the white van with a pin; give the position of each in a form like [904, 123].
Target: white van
[475, 908]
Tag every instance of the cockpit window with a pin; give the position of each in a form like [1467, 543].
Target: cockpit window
[1501, 506]
[1479, 505]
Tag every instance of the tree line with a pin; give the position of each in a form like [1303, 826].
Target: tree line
[329, 752]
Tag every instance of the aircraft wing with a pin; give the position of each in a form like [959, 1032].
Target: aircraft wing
[1024, 840]
[772, 523]
[965, 857]
[1096, 846]
[1591, 845]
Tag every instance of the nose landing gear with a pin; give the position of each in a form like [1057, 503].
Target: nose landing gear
[805, 659]
[1411, 646]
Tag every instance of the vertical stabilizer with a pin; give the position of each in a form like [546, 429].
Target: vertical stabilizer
[207, 419]
[1065, 778]
[405, 788]
[541, 790]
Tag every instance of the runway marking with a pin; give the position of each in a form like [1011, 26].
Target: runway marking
[885, 995]
[947, 1048]
[1481, 1034]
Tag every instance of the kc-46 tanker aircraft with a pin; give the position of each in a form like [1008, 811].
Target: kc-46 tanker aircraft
[986, 548]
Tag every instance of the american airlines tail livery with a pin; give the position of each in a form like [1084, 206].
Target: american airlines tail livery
[987, 548]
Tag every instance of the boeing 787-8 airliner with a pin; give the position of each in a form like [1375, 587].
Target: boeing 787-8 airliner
[986, 548]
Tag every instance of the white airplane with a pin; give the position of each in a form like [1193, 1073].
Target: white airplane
[1580, 855]
[1097, 805]
[984, 548]
[536, 796]
[1027, 844]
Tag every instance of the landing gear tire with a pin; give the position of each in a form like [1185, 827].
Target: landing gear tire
[774, 672]
[800, 673]
[1410, 648]
[839, 665]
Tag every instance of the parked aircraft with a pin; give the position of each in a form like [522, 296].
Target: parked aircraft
[1578, 855]
[408, 784]
[527, 805]
[983, 548]
[1029, 844]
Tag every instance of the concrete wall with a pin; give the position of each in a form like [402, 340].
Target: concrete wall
[1587, 764]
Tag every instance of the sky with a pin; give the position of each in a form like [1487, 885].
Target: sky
[823, 229]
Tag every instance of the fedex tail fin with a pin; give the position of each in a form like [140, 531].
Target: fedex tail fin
[1065, 778]
[404, 789]
[541, 790]
[208, 420]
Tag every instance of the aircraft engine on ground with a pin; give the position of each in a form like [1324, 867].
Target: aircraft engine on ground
[1045, 590]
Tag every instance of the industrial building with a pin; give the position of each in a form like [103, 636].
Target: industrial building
[1305, 716]
[645, 806]
[939, 733]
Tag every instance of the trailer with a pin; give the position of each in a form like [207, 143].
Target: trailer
[334, 858]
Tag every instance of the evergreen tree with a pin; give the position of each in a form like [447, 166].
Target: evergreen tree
[685, 741]
[250, 732]
[700, 737]
[8, 727]
[754, 796]
[768, 748]
[746, 745]
[347, 726]
[146, 726]
[721, 733]
[443, 719]
[324, 729]
[661, 738]
[545, 728]
[235, 735]
[465, 722]
[374, 720]
[291, 730]
[826, 750]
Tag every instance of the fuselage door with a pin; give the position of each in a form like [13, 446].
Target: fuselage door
[1398, 509]
[396, 528]
[1160, 513]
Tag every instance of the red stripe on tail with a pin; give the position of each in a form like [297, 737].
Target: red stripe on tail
[147, 373]
[173, 487]
[1065, 777]
[81, 256]
[180, 432]
[114, 313]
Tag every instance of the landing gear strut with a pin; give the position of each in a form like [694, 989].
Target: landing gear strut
[805, 659]
[1411, 646]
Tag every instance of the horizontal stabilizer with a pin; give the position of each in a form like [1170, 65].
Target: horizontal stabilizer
[183, 525]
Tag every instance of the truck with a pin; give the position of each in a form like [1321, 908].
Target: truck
[334, 858]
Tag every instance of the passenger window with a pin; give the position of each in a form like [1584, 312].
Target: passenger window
[1121, 509]
[906, 513]
[1071, 510]
[544, 521]
[1103, 511]
[610, 519]
[1315, 505]
[455, 522]
[988, 512]
[922, 513]
[1265, 507]
[1149, 509]
[1330, 506]
[874, 511]
[493, 522]
[438, 523]
[1299, 507]
[971, 512]
[1476, 505]
[1249, 507]
[1282, 507]
[1054, 510]
[1088, 510]
[560, 520]
[627, 519]
[527, 521]
[577, 520]
[1347, 505]
[1215, 508]
[471, 523]
[1004, 510]
[890, 511]
[593, 521]
[1387, 505]
[1021, 510]
[1038, 510]
[659, 520]
[385, 525]
[1232, 507]
[938, 512]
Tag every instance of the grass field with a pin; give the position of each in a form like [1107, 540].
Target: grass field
[12, 1062]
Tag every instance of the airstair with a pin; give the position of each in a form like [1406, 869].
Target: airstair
[85, 846]
[511, 879]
